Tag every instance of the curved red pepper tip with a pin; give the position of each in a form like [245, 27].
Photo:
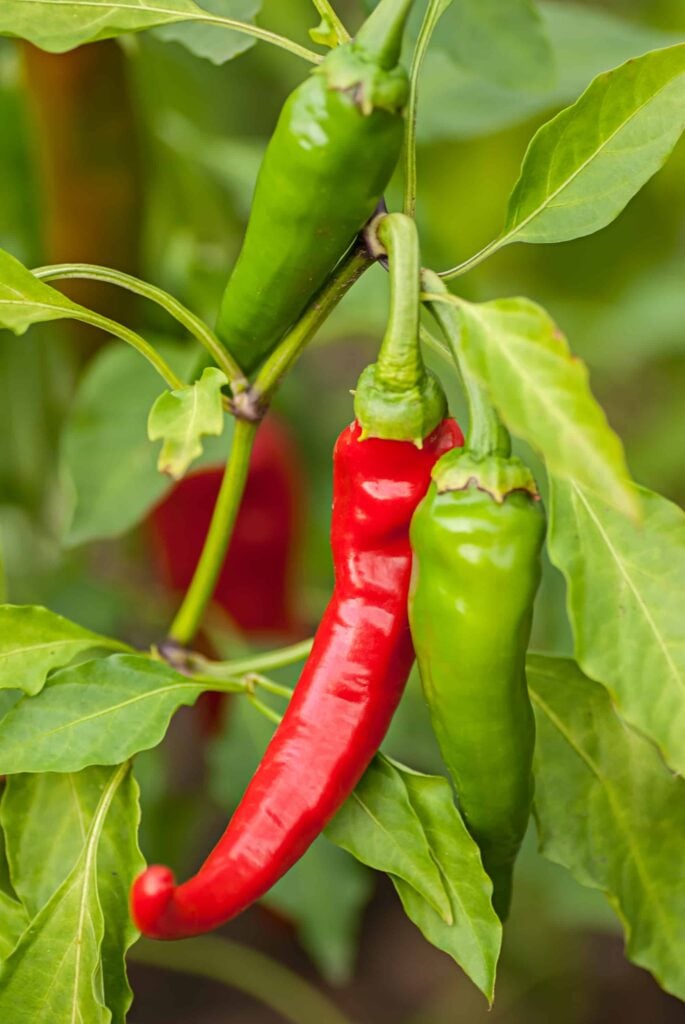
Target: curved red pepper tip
[150, 896]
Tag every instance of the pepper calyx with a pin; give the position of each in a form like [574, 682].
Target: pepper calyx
[349, 70]
[398, 414]
[496, 475]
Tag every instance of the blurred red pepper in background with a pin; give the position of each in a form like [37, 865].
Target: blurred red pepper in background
[256, 586]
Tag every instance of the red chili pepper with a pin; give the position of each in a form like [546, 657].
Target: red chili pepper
[342, 705]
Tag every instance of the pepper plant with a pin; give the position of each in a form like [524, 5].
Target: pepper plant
[591, 744]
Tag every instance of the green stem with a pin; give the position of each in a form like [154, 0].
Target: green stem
[280, 361]
[430, 20]
[487, 434]
[255, 663]
[192, 323]
[87, 316]
[473, 261]
[199, 593]
[327, 13]
[264, 709]
[268, 685]
[246, 970]
[399, 365]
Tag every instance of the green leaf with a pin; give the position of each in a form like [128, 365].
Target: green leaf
[55, 972]
[109, 414]
[214, 42]
[24, 300]
[626, 594]
[34, 640]
[379, 826]
[180, 418]
[324, 894]
[13, 921]
[59, 25]
[474, 938]
[46, 819]
[583, 166]
[503, 43]
[98, 712]
[542, 393]
[610, 811]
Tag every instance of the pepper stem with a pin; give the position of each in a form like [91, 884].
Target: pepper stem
[399, 365]
[487, 435]
[380, 37]
[397, 398]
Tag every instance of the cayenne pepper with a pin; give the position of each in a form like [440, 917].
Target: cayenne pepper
[362, 652]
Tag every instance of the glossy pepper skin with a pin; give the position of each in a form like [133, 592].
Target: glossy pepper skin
[327, 164]
[476, 573]
[342, 705]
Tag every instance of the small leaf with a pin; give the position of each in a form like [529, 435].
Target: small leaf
[626, 595]
[34, 640]
[503, 43]
[379, 826]
[610, 811]
[180, 418]
[214, 42]
[59, 25]
[55, 971]
[98, 712]
[474, 938]
[583, 166]
[542, 393]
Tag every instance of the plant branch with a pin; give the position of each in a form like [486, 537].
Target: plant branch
[192, 323]
[256, 663]
[280, 361]
[87, 316]
[430, 20]
[199, 593]
[246, 970]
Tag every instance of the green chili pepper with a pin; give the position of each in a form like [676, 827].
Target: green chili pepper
[331, 156]
[477, 538]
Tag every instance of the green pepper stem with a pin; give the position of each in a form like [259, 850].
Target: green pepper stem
[399, 366]
[199, 593]
[487, 434]
[380, 37]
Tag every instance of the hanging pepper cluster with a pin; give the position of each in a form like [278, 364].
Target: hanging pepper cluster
[436, 546]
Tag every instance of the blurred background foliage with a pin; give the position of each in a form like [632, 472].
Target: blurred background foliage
[142, 155]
